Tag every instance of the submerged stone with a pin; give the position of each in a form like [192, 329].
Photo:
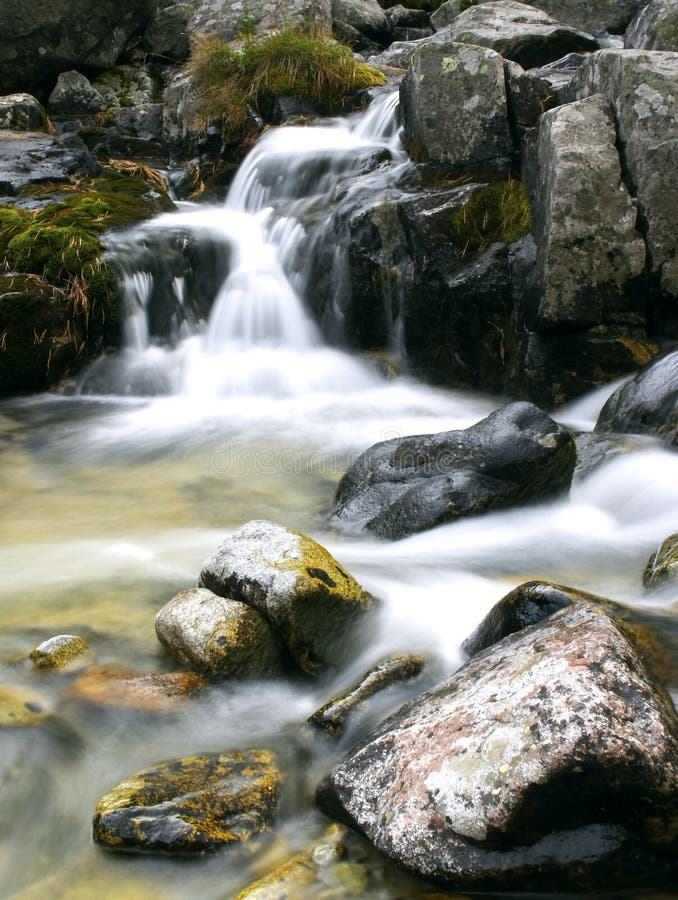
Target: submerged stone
[115, 687]
[220, 636]
[21, 707]
[313, 603]
[64, 651]
[192, 804]
[662, 566]
[548, 762]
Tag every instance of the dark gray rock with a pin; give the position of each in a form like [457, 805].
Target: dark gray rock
[166, 34]
[519, 32]
[445, 14]
[599, 15]
[655, 27]
[40, 39]
[453, 104]
[407, 33]
[366, 16]
[73, 95]
[589, 254]
[313, 603]
[21, 112]
[549, 762]
[402, 17]
[406, 485]
[533, 92]
[647, 403]
[594, 450]
[32, 158]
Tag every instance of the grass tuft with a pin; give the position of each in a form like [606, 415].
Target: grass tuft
[498, 212]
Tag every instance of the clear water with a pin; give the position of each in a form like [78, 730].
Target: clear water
[112, 502]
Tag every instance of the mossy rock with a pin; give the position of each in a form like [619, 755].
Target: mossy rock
[662, 566]
[21, 708]
[64, 651]
[496, 212]
[113, 687]
[298, 586]
[191, 805]
[218, 636]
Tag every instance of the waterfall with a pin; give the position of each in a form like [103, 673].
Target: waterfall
[259, 336]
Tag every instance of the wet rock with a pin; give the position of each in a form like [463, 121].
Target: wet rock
[166, 34]
[22, 112]
[647, 403]
[333, 715]
[217, 635]
[113, 687]
[594, 450]
[21, 707]
[41, 39]
[313, 603]
[589, 254]
[366, 16]
[642, 88]
[31, 158]
[191, 805]
[453, 104]
[64, 651]
[405, 485]
[74, 95]
[655, 27]
[662, 566]
[518, 32]
[549, 762]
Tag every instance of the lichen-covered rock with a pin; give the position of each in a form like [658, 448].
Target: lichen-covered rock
[662, 566]
[549, 762]
[191, 805]
[21, 707]
[114, 687]
[405, 485]
[366, 16]
[589, 254]
[313, 603]
[21, 112]
[228, 20]
[333, 715]
[73, 95]
[655, 27]
[453, 104]
[599, 15]
[217, 635]
[38, 40]
[646, 403]
[34, 158]
[642, 87]
[518, 32]
[64, 651]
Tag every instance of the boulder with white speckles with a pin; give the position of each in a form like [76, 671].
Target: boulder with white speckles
[312, 602]
[549, 762]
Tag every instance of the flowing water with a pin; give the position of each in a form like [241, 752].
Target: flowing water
[116, 491]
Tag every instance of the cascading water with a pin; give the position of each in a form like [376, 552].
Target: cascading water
[226, 405]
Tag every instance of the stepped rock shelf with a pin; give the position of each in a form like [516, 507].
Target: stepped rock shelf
[340, 548]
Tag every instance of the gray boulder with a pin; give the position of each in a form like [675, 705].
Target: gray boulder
[549, 762]
[599, 15]
[589, 254]
[313, 603]
[406, 485]
[227, 19]
[21, 112]
[445, 14]
[166, 34]
[33, 158]
[642, 87]
[73, 95]
[655, 27]
[518, 32]
[366, 16]
[40, 39]
[217, 635]
[647, 403]
[533, 92]
[453, 104]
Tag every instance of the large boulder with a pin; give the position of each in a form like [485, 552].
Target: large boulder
[518, 32]
[599, 15]
[191, 805]
[646, 403]
[73, 95]
[38, 40]
[589, 254]
[453, 104]
[549, 762]
[313, 603]
[166, 34]
[642, 87]
[366, 16]
[217, 635]
[405, 485]
[227, 20]
[28, 157]
[655, 27]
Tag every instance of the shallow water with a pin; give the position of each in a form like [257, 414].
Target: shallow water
[111, 503]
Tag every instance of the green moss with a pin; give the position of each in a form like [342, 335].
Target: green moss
[12, 222]
[290, 62]
[498, 212]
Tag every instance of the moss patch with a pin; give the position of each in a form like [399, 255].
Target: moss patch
[498, 212]
[227, 76]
